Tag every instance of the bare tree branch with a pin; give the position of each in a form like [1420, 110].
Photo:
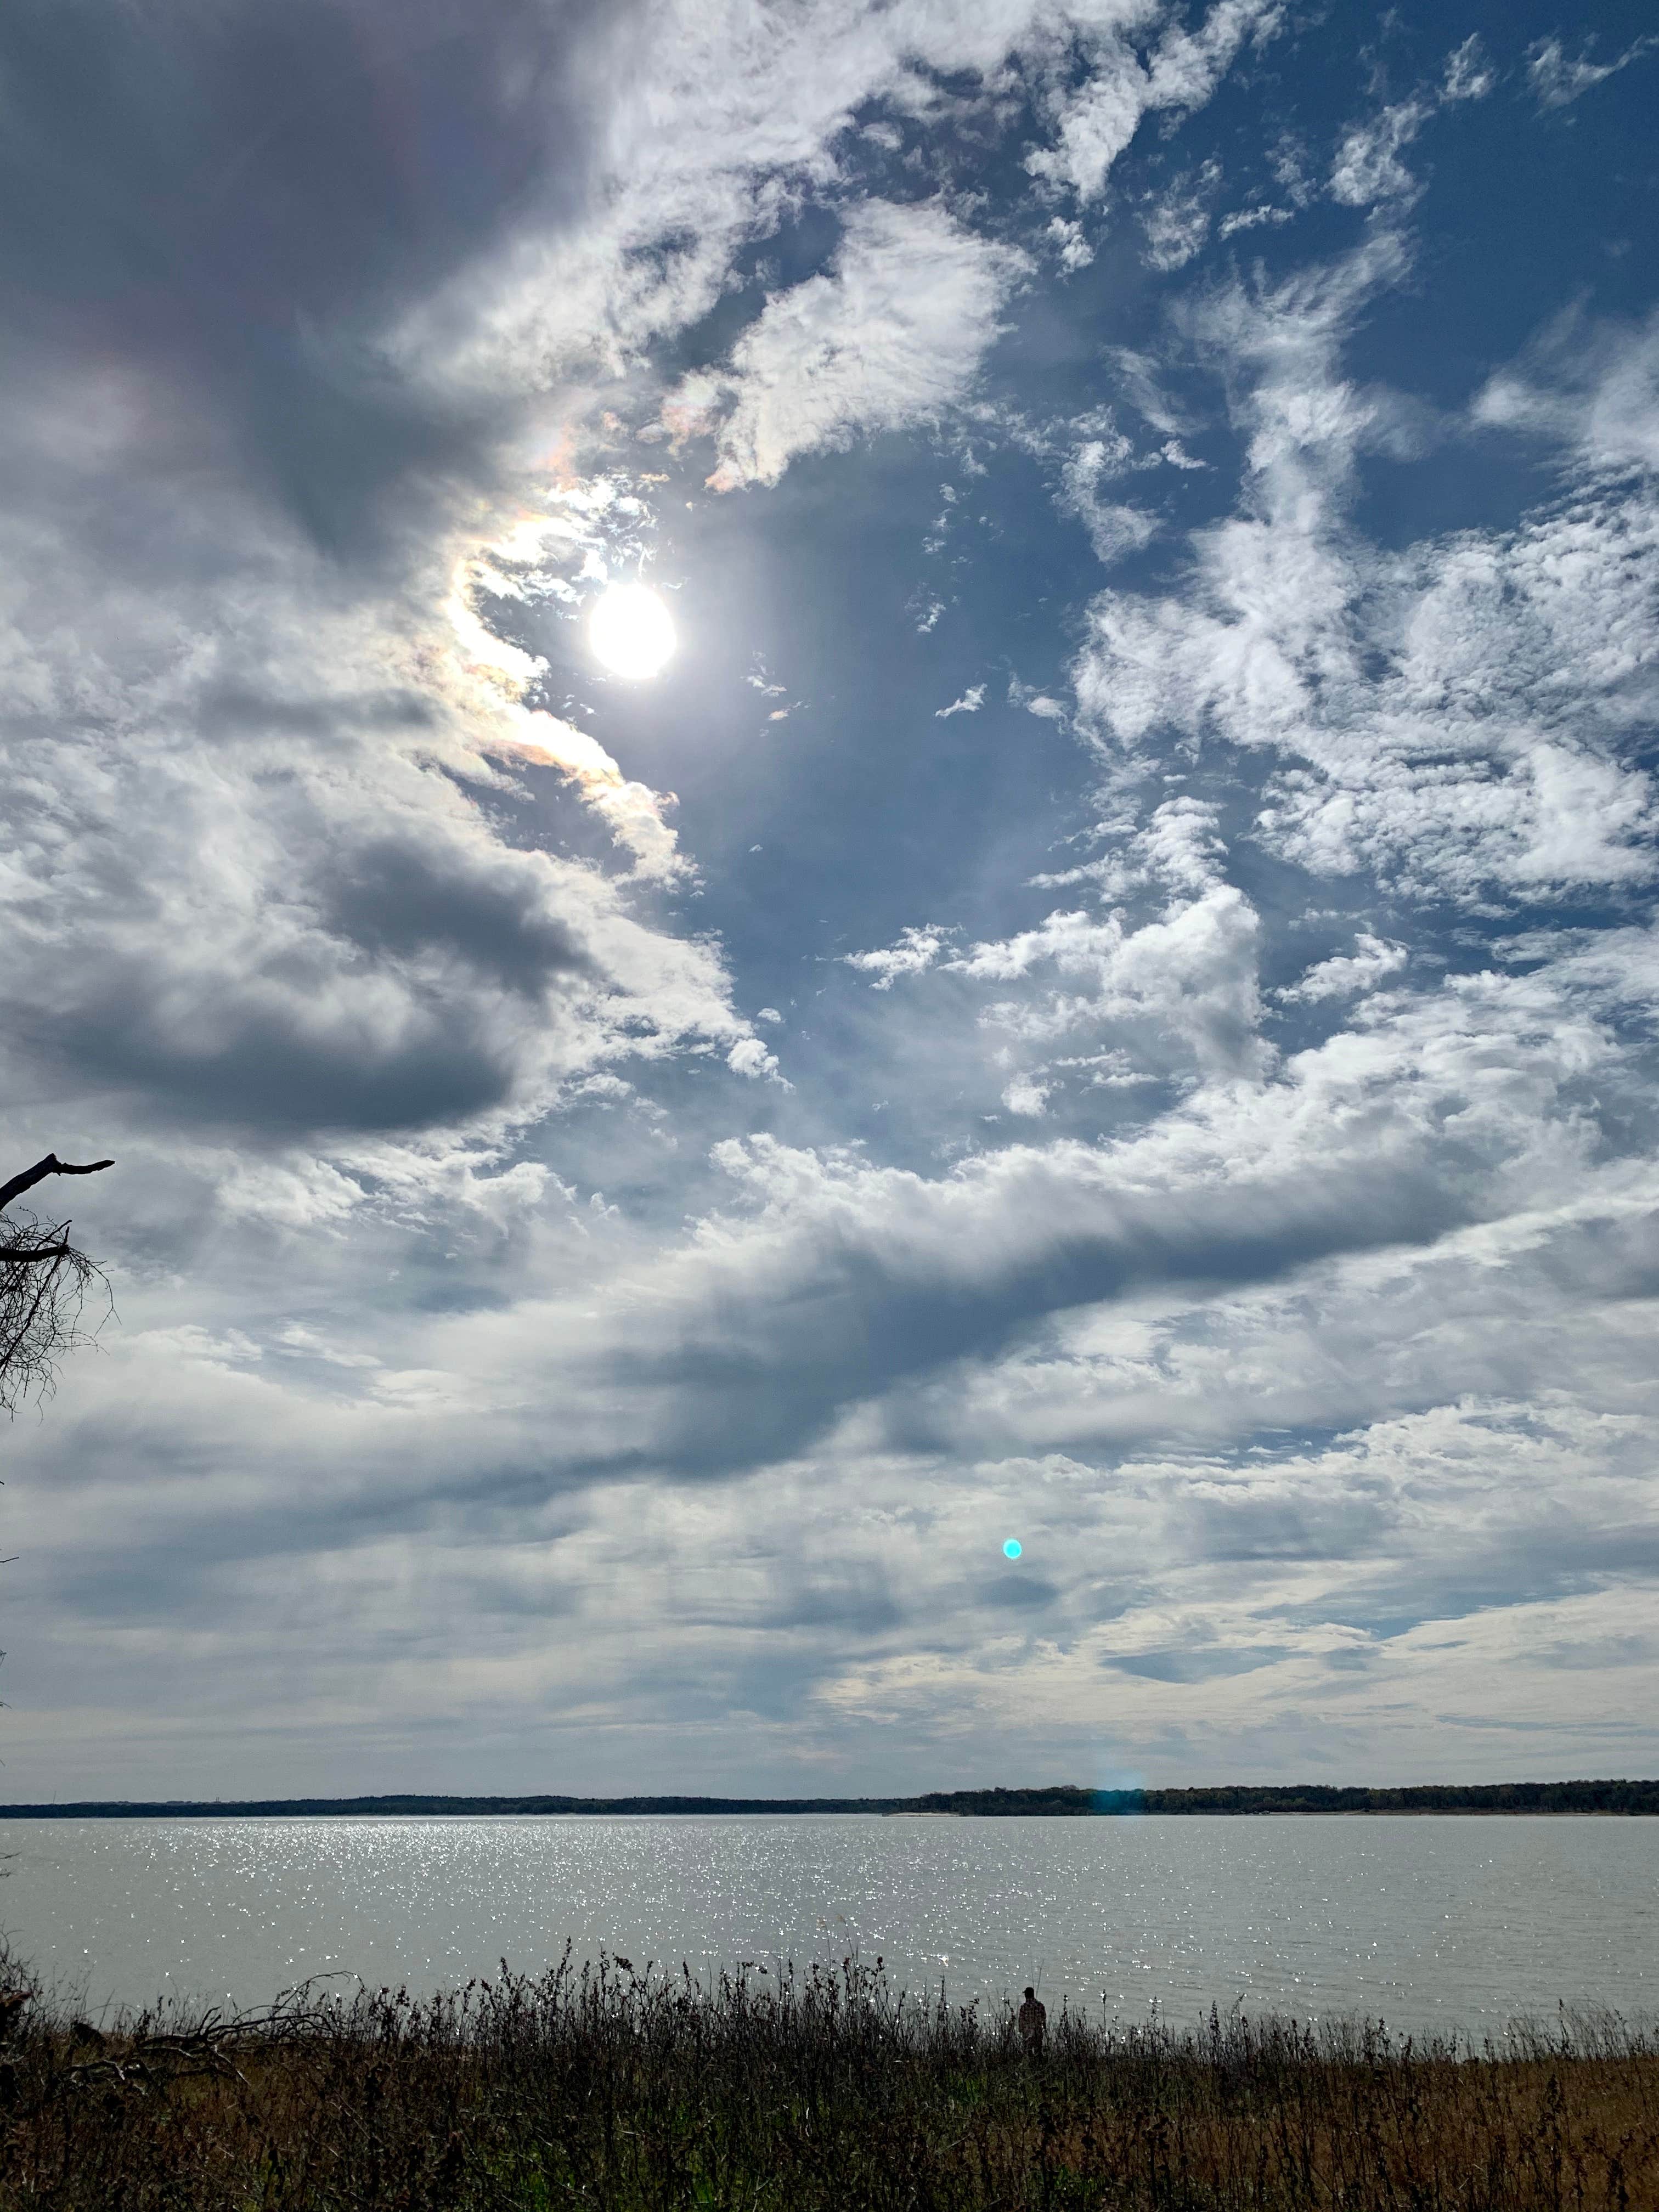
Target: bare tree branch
[51, 1165]
[43, 1283]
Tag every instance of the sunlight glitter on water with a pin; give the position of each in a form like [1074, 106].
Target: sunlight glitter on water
[1428, 1921]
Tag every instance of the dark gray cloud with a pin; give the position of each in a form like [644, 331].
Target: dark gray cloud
[328, 964]
[1018, 1593]
[261, 895]
[1195, 1666]
[390, 898]
[245, 197]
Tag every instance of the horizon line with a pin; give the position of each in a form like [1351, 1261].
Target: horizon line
[1619, 1796]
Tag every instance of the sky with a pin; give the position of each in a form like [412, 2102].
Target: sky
[1103, 997]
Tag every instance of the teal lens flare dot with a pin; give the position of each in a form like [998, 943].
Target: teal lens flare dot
[1011, 1549]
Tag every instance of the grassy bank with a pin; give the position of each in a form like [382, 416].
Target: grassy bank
[613, 2088]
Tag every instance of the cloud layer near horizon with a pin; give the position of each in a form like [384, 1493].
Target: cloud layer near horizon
[1136, 1031]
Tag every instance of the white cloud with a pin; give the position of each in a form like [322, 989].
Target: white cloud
[1105, 455]
[1115, 528]
[1178, 991]
[892, 334]
[1094, 123]
[1179, 850]
[698, 119]
[916, 950]
[249, 888]
[1072, 246]
[1469, 74]
[1451, 1113]
[1178, 223]
[1026, 1097]
[1398, 1211]
[1252, 219]
[1146, 386]
[1368, 171]
[715, 114]
[1590, 387]
[1455, 716]
[280, 935]
[1184, 985]
[749, 1057]
[969, 703]
[1368, 167]
[1345, 976]
[1557, 82]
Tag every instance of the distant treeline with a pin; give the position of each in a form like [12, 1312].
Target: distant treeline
[1425, 1797]
[1060, 1798]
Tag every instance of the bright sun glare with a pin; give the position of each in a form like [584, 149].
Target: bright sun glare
[630, 630]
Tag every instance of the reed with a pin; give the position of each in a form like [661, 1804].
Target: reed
[605, 2087]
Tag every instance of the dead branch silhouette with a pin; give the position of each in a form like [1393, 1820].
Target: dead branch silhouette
[44, 1283]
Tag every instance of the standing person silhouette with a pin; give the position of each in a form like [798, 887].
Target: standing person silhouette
[1033, 2023]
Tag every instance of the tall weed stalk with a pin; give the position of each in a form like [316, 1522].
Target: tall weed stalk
[605, 2087]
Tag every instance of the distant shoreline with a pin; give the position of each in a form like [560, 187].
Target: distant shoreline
[1620, 1798]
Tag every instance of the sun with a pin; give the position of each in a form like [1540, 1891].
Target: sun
[631, 632]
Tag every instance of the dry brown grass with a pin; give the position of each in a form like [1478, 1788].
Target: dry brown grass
[608, 2088]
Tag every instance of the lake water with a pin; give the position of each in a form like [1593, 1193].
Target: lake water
[1430, 1920]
